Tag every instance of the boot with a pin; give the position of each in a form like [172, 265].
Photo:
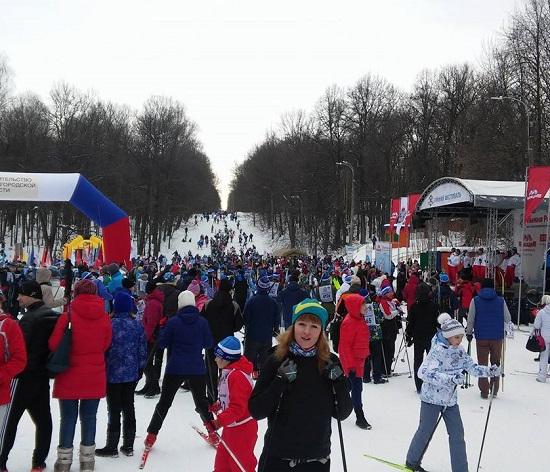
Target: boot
[64, 459]
[361, 421]
[111, 448]
[127, 447]
[87, 458]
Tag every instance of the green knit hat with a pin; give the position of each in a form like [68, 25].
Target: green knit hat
[310, 306]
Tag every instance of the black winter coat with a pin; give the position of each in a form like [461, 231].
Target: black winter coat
[37, 324]
[422, 320]
[171, 294]
[302, 427]
[223, 315]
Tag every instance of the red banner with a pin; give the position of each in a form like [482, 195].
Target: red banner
[538, 183]
[413, 201]
[394, 212]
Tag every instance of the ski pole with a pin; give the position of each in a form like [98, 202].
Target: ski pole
[267, 447]
[342, 449]
[503, 359]
[231, 454]
[435, 427]
[485, 430]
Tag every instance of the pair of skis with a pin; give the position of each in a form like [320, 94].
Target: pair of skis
[206, 438]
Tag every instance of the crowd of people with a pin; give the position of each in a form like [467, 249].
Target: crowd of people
[336, 326]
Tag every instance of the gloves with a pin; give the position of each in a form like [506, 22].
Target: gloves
[333, 371]
[495, 371]
[287, 370]
[469, 337]
[458, 379]
[215, 407]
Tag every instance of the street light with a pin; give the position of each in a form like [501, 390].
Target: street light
[352, 209]
[501, 98]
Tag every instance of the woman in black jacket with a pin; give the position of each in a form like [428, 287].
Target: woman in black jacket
[296, 393]
[421, 327]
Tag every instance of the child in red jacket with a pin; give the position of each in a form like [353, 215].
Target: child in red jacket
[240, 430]
[353, 350]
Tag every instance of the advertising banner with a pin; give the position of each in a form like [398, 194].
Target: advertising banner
[382, 258]
[538, 183]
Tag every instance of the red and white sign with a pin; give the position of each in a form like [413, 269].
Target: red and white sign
[538, 183]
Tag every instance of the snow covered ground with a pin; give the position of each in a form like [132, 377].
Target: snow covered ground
[516, 440]
[517, 433]
[261, 238]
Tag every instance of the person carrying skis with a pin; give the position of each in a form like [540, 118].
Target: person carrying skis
[442, 371]
[240, 430]
[300, 389]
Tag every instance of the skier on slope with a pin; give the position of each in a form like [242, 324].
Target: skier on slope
[442, 371]
[240, 430]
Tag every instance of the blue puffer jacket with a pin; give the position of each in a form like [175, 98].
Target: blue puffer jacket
[261, 317]
[440, 366]
[489, 320]
[128, 352]
[288, 297]
[186, 334]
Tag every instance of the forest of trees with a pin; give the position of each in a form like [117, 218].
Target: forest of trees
[398, 142]
[150, 163]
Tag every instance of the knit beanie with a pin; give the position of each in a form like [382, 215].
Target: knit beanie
[85, 287]
[186, 298]
[449, 326]
[310, 306]
[348, 279]
[264, 283]
[228, 349]
[31, 288]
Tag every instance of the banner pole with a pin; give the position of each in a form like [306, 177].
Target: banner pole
[521, 245]
[546, 247]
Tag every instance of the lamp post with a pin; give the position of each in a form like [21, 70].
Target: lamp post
[352, 209]
[528, 150]
[527, 119]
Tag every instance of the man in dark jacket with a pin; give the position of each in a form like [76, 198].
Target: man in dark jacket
[486, 318]
[171, 293]
[241, 289]
[421, 326]
[224, 318]
[291, 295]
[32, 389]
[261, 320]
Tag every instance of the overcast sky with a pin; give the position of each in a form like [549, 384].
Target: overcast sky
[238, 65]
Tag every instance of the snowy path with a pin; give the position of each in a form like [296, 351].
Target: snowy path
[261, 239]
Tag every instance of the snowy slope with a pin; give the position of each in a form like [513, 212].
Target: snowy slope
[262, 238]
